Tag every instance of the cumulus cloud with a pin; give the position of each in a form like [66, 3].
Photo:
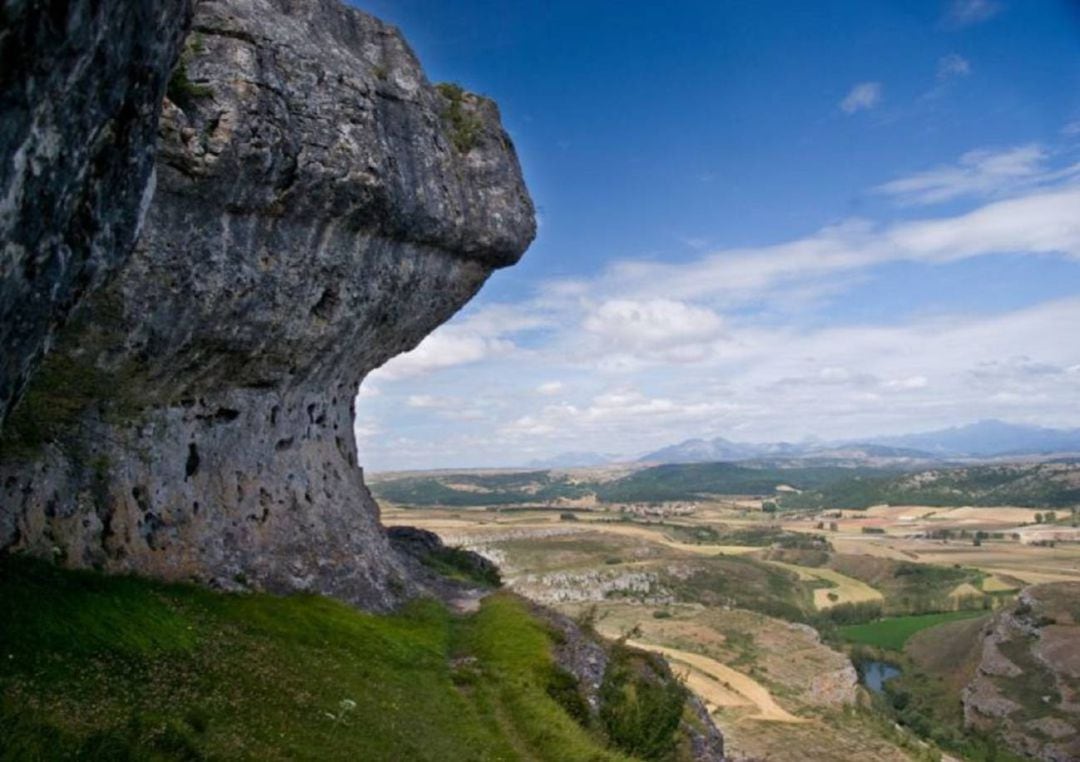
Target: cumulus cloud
[549, 388]
[861, 97]
[665, 329]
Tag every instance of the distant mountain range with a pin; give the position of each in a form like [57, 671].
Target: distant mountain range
[984, 439]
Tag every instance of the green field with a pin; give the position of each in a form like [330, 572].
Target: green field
[118, 668]
[893, 633]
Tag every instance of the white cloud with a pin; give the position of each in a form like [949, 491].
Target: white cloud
[1042, 223]
[1039, 223]
[665, 329]
[967, 12]
[863, 96]
[744, 342]
[911, 382]
[1071, 129]
[446, 347]
[428, 401]
[470, 338]
[953, 65]
[613, 412]
[980, 173]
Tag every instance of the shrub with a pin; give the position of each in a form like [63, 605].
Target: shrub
[641, 704]
[465, 126]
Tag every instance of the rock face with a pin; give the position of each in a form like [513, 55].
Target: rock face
[320, 208]
[80, 92]
[1026, 688]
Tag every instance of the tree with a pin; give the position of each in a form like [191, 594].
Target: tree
[1050, 518]
[1038, 518]
[834, 527]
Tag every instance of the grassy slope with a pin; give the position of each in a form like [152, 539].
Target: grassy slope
[115, 668]
[894, 632]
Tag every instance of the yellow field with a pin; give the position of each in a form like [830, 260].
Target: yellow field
[996, 584]
[847, 590]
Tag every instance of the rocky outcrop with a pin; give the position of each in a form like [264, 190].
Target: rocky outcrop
[590, 660]
[1026, 688]
[80, 92]
[320, 208]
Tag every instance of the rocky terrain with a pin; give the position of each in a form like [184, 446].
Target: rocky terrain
[1027, 683]
[320, 207]
[80, 93]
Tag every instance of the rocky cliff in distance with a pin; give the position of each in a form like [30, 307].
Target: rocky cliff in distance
[80, 93]
[1026, 687]
[320, 208]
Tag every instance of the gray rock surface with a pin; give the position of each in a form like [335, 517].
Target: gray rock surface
[320, 208]
[1025, 687]
[81, 84]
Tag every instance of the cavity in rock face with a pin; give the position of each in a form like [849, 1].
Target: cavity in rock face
[320, 208]
[81, 84]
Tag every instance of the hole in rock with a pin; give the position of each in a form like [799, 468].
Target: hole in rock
[192, 464]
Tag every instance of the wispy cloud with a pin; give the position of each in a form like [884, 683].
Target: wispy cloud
[961, 13]
[981, 173]
[861, 97]
[952, 66]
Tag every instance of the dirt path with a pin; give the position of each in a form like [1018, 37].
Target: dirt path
[711, 680]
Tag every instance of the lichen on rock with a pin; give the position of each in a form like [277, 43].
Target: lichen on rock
[314, 216]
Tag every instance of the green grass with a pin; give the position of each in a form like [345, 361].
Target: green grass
[464, 125]
[115, 668]
[893, 633]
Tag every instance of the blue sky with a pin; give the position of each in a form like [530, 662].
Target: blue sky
[760, 220]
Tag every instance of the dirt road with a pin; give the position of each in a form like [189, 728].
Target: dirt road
[719, 685]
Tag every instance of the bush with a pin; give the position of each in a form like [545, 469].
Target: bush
[641, 704]
[465, 126]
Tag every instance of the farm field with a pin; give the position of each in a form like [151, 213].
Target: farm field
[841, 589]
[892, 633]
[759, 613]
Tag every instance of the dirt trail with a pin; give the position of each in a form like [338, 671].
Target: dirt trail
[709, 678]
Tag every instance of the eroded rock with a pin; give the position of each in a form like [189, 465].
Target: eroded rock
[80, 91]
[320, 208]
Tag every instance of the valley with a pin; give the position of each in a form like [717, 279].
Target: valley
[768, 614]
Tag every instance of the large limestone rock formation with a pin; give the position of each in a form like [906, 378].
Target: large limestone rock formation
[320, 208]
[80, 93]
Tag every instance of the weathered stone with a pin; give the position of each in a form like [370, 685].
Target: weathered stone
[320, 208]
[81, 84]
